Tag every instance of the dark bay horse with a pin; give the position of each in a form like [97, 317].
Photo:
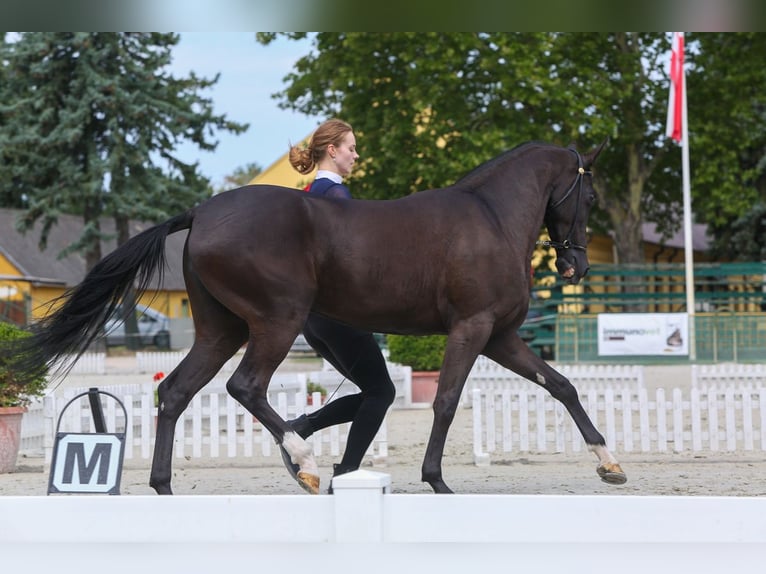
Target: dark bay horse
[258, 259]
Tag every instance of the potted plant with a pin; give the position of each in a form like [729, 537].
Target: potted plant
[311, 388]
[424, 353]
[14, 398]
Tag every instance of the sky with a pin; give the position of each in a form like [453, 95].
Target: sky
[250, 74]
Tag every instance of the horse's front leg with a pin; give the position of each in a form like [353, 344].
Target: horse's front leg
[461, 352]
[512, 353]
[249, 385]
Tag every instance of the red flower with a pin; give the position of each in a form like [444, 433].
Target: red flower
[159, 376]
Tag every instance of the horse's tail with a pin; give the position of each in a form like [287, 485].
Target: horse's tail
[82, 311]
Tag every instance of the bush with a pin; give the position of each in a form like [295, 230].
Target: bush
[422, 353]
[312, 387]
[12, 392]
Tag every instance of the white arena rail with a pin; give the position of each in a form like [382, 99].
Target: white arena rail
[529, 419]
[364, 523]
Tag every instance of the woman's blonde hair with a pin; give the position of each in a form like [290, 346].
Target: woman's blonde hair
[330, 132]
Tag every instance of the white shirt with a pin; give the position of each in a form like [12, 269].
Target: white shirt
[331, 175]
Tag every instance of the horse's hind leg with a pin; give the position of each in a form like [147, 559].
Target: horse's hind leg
[218, 335]
[512, 353]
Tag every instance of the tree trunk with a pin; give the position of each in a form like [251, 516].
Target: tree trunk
[132, 338]
[626, 219]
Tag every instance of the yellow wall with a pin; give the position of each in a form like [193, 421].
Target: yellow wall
[174, 304]
[15, 291]
[170, 303]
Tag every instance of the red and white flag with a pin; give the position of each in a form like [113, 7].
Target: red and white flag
[675, 113]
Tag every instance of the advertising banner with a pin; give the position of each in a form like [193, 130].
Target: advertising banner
[643, 334]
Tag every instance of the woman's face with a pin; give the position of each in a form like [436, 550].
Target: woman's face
[344, 155]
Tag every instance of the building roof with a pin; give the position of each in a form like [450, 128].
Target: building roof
[23, 252]
[700, 239]
[282, 173]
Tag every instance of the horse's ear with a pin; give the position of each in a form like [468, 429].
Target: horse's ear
[590, 157]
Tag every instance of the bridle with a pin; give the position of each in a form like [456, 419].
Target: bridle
[568, 243]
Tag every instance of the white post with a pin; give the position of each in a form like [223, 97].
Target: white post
[358, 498]
[688, 245]
[480, 458]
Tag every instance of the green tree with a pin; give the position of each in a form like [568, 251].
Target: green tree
[430, 106]
[89, 124]
[241, 176]
[727, 123]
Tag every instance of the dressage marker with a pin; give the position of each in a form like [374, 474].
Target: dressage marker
[88, 462]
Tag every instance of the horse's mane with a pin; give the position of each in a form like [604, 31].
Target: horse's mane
[478, 173]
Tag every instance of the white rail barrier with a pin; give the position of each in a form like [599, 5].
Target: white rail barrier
[529, 419]
[364, 523]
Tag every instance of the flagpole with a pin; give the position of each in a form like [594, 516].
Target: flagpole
[687, 202]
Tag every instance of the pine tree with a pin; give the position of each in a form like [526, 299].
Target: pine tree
[89, 124]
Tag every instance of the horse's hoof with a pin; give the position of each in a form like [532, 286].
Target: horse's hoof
[612, 473]
[309, 482]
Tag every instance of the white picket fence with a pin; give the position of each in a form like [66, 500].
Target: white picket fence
[214, 425]
[328, 377]
[89, 363]
[723, 409]
[729, 374]
[166, 361]
[714, 418]
[487, 375]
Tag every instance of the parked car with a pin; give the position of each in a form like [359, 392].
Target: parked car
[153, 328]
[301, 346]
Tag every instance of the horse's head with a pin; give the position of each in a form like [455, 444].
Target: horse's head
[566, 215]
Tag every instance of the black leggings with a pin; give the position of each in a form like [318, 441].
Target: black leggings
[357, 357]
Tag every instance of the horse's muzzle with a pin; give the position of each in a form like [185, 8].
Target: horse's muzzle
[572, 271]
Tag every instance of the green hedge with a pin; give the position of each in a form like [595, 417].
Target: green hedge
[422, 353]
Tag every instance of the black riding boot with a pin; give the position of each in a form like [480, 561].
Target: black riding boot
[302, 425]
